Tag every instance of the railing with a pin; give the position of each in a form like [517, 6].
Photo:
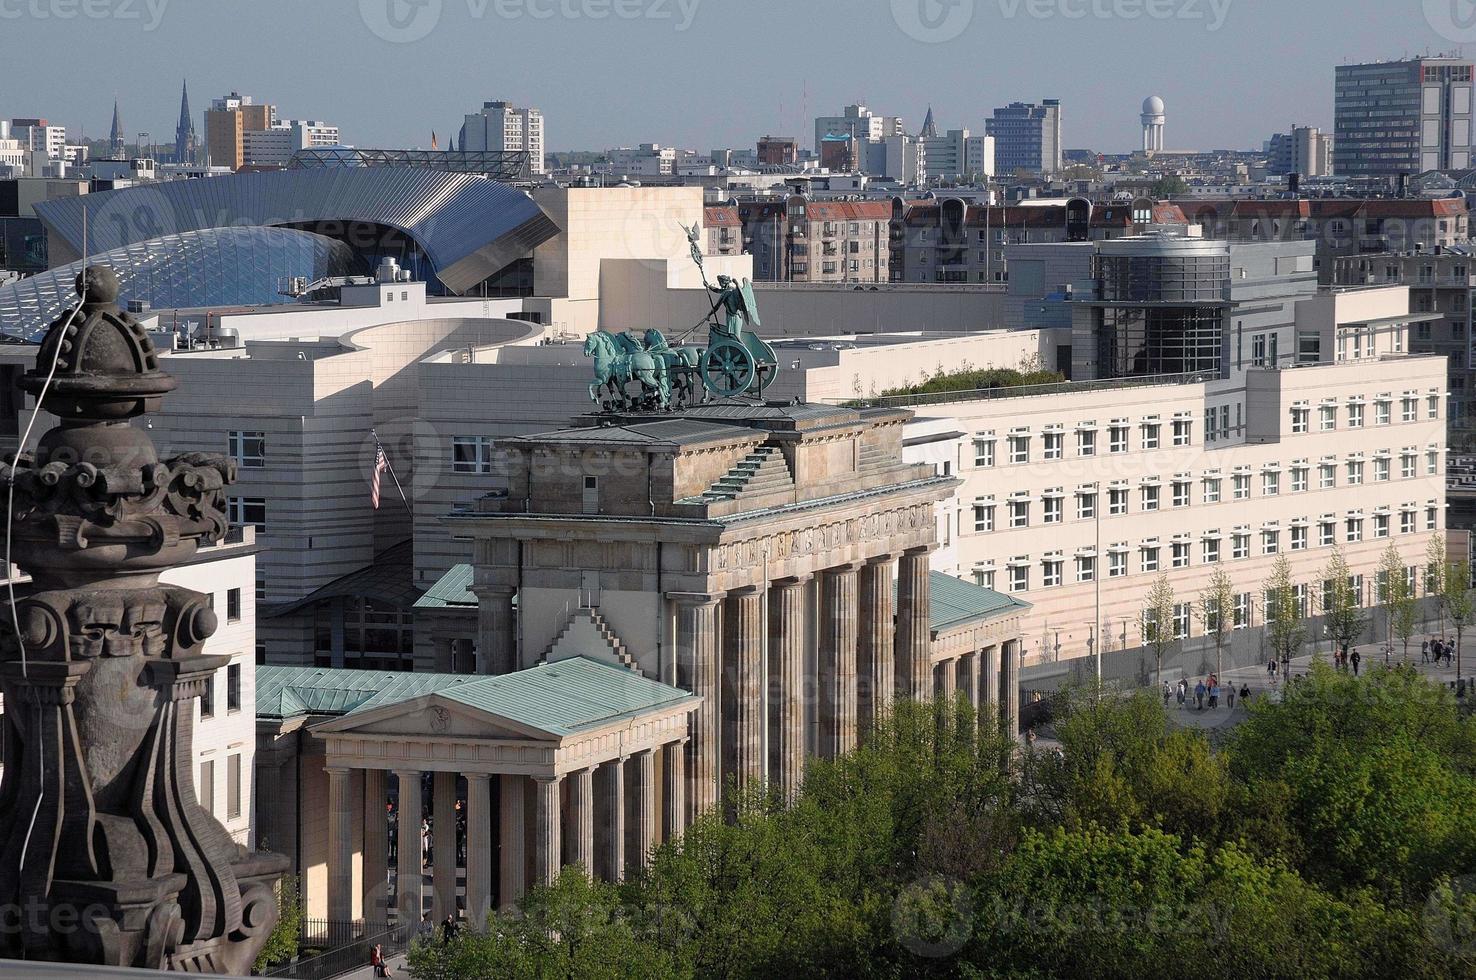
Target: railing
[1022, 391]
[336, 948]
[886, 287]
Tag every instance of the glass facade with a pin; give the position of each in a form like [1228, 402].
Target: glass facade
[1161, 307]
[214, 267]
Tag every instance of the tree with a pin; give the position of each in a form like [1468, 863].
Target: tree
[1217, 612]
[1284, 625]
[1401, 609]
[281, 944]
[1435, 562]
[1157, 621]
[1342, 605]
[1455, 596]
[1171, 185]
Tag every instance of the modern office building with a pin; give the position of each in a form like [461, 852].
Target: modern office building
[1027, 137]
[1306, 151]
[227, 121]
[39, 134]
[276, 146]
[501, 126]
[1402, 117]
[856, 122]
[958, 155]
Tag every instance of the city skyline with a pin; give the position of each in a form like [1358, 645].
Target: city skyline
[645, 55]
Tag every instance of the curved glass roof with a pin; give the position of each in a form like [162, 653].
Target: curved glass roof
[215, 267]
[468, 226]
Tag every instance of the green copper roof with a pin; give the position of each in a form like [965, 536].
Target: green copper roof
[451, 589]
[559, 698]
[956, 602]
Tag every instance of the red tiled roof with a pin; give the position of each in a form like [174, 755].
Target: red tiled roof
[720, 217]
[849, 210]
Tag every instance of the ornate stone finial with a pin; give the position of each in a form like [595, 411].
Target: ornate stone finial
[100, 678]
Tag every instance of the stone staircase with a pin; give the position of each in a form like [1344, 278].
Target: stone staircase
[873, 459]
[761, 471]
[586, 626]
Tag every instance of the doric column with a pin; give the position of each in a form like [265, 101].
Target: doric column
[674, 799]
[409, 879]
[548, 833]
[340, 847]
[837, 681]
[614, 843]
[948, 673]
[1009, 682]
[789, 636]
[443, 842]
[643, 809]
[743, 701]
[989, 685]
[875, 664]
[512, 835]
[581, 815]
[914, 641]
[968, 675]
[478, 849]
[376, 849]
[497, 649]
[697, 671]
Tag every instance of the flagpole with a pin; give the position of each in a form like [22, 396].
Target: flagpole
[379, 447]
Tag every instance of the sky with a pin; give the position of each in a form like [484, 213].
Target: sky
[709, 73]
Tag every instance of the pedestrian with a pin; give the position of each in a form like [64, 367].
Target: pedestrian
[1199, 696]
[1230, 697]
[394, 833]
[1183, 692]
[1214, 694]
[448, 928]
[1449, 653]
[1356, 660]
[1030, 737]
[427, 928]
[1425, 650]
[426, 832]
[376, 960]
[1166, 694]
[1245, 695]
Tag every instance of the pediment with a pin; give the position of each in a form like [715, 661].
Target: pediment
[433, 716]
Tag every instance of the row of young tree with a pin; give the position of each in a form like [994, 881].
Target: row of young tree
[1288, 604]
[1328, 835]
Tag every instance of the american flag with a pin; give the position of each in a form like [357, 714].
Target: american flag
[381, 463]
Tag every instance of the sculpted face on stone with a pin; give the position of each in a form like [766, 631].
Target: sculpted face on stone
[100, 678]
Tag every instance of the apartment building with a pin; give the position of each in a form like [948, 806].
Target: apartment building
[1341, 227]
[1402, 117]
[1027, 137]
[503, 126]
[227, 122]
[802, 240]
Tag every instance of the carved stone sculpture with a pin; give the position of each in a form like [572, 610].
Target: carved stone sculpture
[105, 854]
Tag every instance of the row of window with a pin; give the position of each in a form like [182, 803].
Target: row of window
[1154, 557]
[233, 693]
[1327, 414]
[1053, 441]
[1151, 496]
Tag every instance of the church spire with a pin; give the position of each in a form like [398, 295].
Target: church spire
[184, 133]
[930, 129]
[117, 146]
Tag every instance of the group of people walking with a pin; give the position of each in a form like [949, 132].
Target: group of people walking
[1207, 689]
[1437, 651]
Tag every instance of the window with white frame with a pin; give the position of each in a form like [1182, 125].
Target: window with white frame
[1211, 489]
[1019, 513]
[1117, 564]
[1432, 462]
[1053, 445]
[1182, 613]
[1117, 501]
[1270, 483]
[1354, 528]
[1117, 439]
[1301, 417]
[1299, 537]
[1240, 486]
[1050, 572]
[1086, 505]
[1355, 415]
[1381, 525]
[1149, 558]
[1242, 610]
[1355, 472]
[983, 517]
[1432, 518]
[1182, 431]
[471, 454]
[1407, 465]
[1406, 521]
[1432, 406]
[1019, 449]
[1383, 408]
[1409, 406]
[1150, 496]
[1086, 442]
[1179, 554]
[1019, 578]
[1327, 418]
[984, 451]
[1270, 541]
[1150, 435]
[247, 512]
[1053, 507]
[1086, 568]
[1181, 493]
[1240, 545]
[1327, 476]
[984, 578]
[1381, 468]
[1299, 479]
[1211, 550]
[1325, 532]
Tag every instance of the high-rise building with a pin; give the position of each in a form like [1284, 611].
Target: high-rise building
[1027, 136]
[857, 122]
[39, 134]
[502, 126]
[1153, 122]
[185, 149]
[1306, 150]
[1402, 117]
[226, 124]
[957, 154]
[276, 146]
[117, 144]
